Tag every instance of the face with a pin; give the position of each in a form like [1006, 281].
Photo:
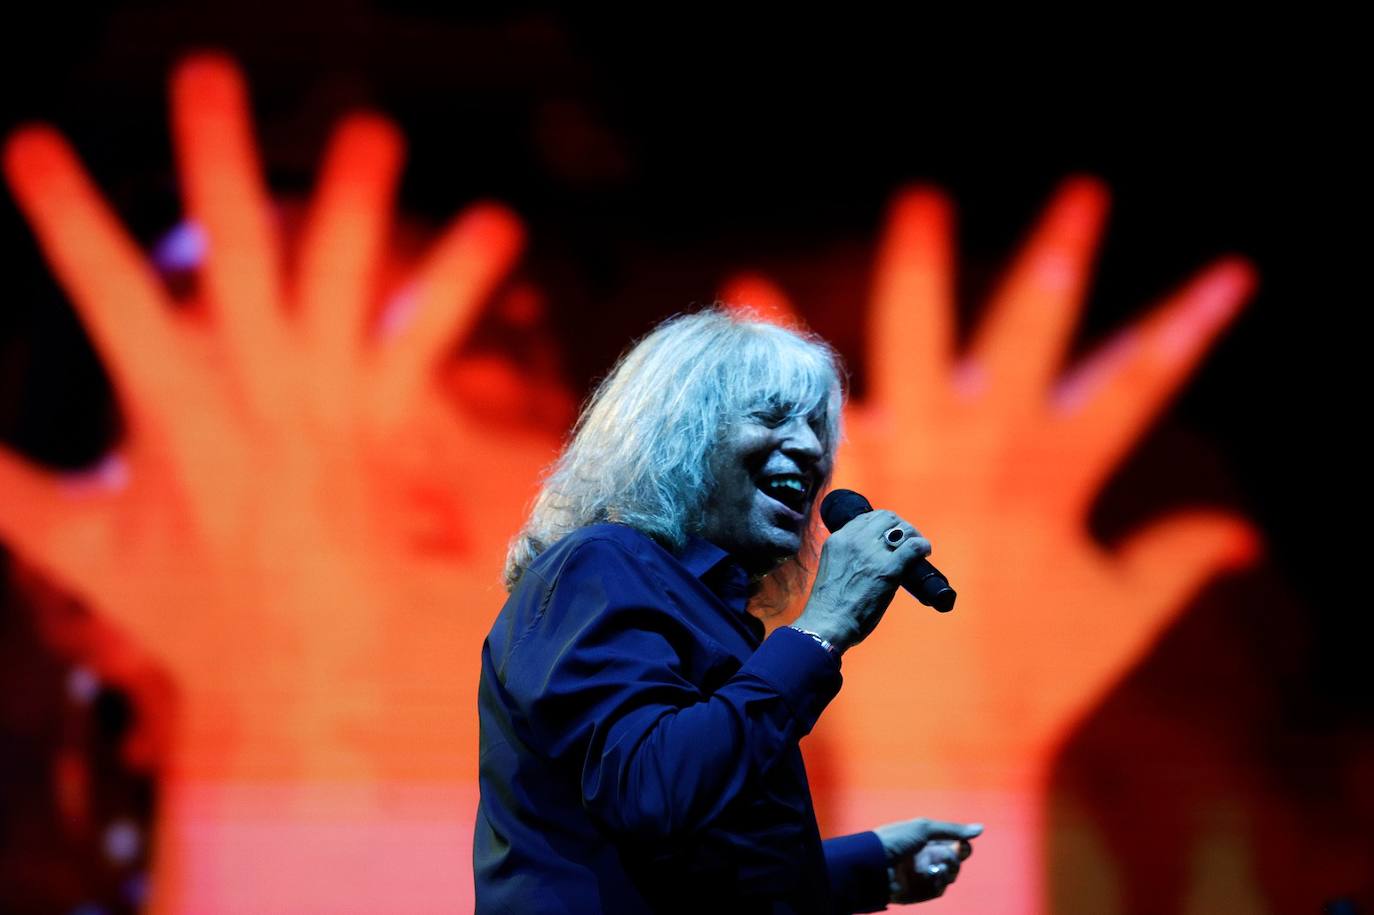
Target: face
[767, 467]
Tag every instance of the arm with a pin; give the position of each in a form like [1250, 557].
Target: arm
[857, 865]
[909, 861]
[599, 678]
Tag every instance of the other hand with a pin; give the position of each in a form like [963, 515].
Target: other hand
[924, 856]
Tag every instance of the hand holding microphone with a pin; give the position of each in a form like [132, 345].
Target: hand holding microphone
[868, 555]
[922, 580]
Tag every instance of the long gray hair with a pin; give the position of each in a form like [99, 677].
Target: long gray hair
[640, 452]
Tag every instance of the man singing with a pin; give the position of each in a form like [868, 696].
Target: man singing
[639, 747]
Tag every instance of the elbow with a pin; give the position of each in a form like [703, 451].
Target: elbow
[666, 781]
[645, 796]
[633, 806]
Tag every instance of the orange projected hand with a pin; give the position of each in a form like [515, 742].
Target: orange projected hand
[300, 524]
[997, 458]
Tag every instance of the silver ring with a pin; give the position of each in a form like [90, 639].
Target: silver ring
[937, 870]
[893, 537]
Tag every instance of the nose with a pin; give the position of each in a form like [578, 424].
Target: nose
[800, 442]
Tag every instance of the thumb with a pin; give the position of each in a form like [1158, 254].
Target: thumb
[908, 836]
[1173, 558]
[939, 829]
[954, 830]
[1153, 577]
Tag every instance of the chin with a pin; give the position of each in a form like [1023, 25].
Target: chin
[783, 552]
[766, 558]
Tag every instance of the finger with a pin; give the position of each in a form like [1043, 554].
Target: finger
[945, 851]
[62, 523]
[939, 829]
[1116, 392]
[896, 534]
[948, 862]
[907, 526]
[911, 548]
[1020, 343]
[120, 300]
[937, 863]
[911, 335]
[756, 293]
[906, 529]
[32, 508]
[224, 193]
[343, 242]
[940, 874]
[1160, 569]
[440, 306]
[1173, 558]
[872, 523]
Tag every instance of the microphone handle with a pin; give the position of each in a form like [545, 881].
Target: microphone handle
[928, 586]
[922, 579]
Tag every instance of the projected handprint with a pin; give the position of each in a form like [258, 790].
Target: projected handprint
[300, 526]
[997, 456]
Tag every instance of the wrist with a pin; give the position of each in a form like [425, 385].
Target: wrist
[830, 647]
[825, 626]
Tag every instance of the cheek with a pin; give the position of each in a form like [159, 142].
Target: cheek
[744, 493]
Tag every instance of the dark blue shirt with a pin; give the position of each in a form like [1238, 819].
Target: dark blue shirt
[639, 743]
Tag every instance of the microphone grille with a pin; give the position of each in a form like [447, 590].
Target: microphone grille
[842, 506]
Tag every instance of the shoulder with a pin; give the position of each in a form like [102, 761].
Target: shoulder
[598, 583]
[596, 546]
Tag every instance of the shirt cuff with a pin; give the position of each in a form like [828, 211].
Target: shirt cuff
[819, 640]
[857, 866]
[804, 674]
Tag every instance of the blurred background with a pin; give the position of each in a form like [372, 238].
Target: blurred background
[650, 158]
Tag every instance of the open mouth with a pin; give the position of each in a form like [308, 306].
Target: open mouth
[791, 489]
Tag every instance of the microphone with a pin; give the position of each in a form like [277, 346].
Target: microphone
[922, 579]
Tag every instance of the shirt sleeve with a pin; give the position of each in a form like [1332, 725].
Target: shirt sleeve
[599, 679]
[857, 866]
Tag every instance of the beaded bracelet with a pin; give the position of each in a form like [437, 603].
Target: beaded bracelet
[824, 643]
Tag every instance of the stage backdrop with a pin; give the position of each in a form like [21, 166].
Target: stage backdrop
[255, 548]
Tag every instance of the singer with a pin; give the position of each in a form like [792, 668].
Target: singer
[639, 734]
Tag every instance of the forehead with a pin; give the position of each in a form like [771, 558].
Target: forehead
[815, 402]
[757, 417]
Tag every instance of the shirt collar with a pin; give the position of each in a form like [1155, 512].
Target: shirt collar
[715, 568]
[701, 556]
